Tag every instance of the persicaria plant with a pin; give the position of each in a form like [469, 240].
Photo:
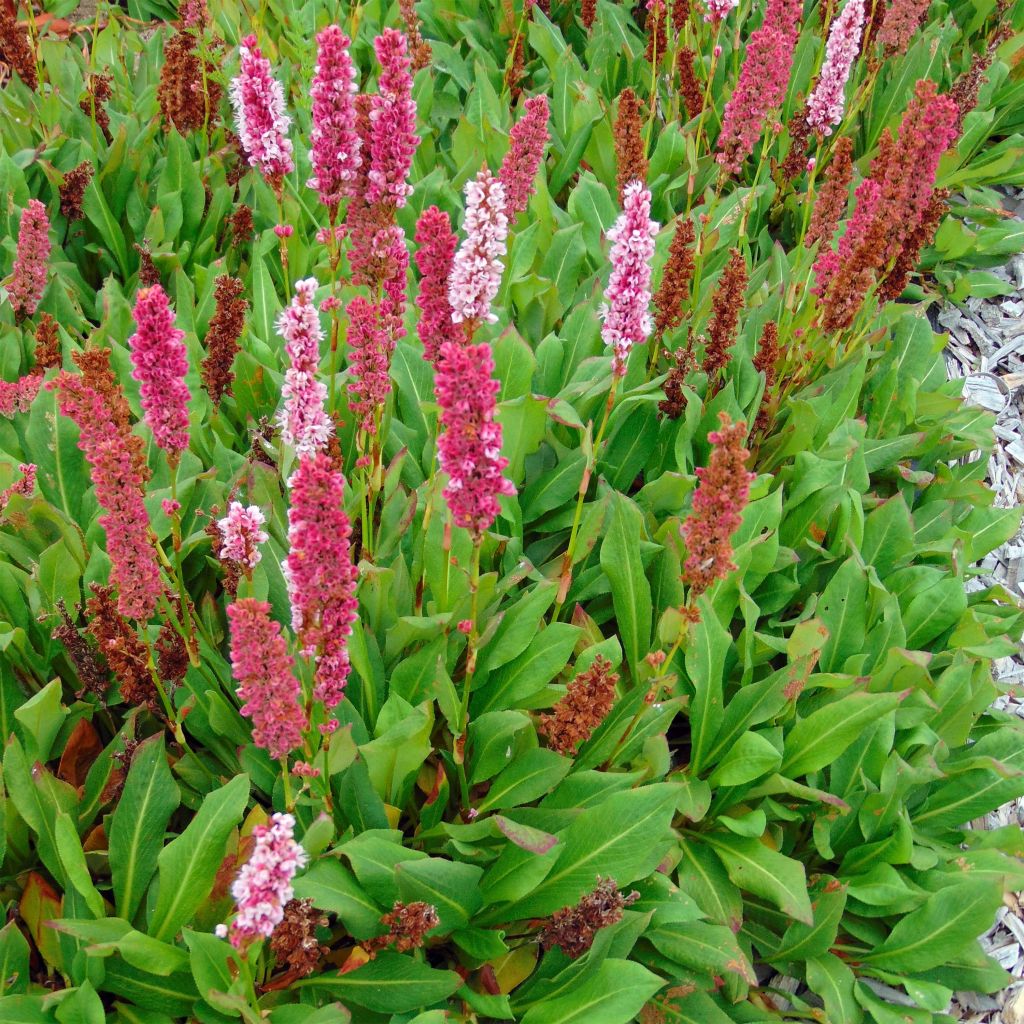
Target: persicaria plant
[486, 532]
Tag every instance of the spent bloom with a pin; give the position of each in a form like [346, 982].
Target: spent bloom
[370, 347]
[434, 257]
[335, 142]
[393, 138]
[160, 362]
[118, 476]
[242, 534]
[303, 420]
[260, 117]
[626, 311]
[527, 139]
[469, 448]
[320, 574]
[763, 81]
[825, 104]
[263, 886]
[477, 268]
[263, 667]
[587, 701]
[28, 280]
[573, 929]
[718, 503]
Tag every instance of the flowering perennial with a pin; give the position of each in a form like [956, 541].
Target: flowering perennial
[825, 104]
[762, 85]
[264, 884]
[334, 153]
[476, 271]
[260, 117]
[434, 256]
[393, 119]
[28, 280]
[303, 419]
[469, 448]
[527, 139]
[263, 667]
[116, 475]
[242, 534]
[160, 363]
[717, 10]
[370, 349]
[320, 574]
[626, 313]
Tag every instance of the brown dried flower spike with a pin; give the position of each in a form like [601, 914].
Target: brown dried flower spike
[16, 47]
[629, 144]
[222, 337]
[587, 701]
[72, 190]
[574, 928]
[407, 926]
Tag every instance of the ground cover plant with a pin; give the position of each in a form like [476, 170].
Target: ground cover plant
[484, 520]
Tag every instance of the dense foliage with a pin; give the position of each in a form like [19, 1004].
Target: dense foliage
[589, 603]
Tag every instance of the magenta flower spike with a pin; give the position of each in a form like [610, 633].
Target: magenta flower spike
[626, 310]
[160, 362]
[28, 279]
[527, 139]
[335, 151]
[435, 257]
[260, 117]
[242, 533]
[393, 138]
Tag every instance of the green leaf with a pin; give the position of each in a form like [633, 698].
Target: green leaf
[390, 983]
[332, 887]
[818, 739]
[138, 824]
[529, 777]
[625, 836]
[41, 718]
[517, 628]
[946, 924]
[831, 979]
[750, 757]
[631, 592]
[187, 866]
[758, 869]
[14, 953]
[706, 651]
[614, 994]
[453, 888]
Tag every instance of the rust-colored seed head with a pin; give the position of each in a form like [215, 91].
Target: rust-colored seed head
[587, 701]
[120, 645]
[689, 87]
[407, 926]
[680, 15]
[16, 47]
[799, 131]
[588, 12]
[97, 91]
[674, 402]
[222, 337]
[629, 144]
[725, 318]
[241, 225]
[910, 255]
[657, 37]
[72, 190]
[419, 48]
[294, 941]
[574, 928]
[149, 274]
[765, 361]
[91, 676]
[675, 280]
[516, 70]
[48, 356]
[189, 99]
[835, 192]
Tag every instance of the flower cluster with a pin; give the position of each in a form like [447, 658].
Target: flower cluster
[160, 362]
[222, 337]
[370, 348]
[264, 884]
[335, 149]
[477, 268]
[263, 667]
[28, 279]
[587, 701]
[626, 313]
[825, 104]
[320, 574]
[303, 419]
[260, 117]
[434, 256]
[24, 486]
[527, 139]
[630, 152]
[242, 534]
[469, 448]
[573, 929]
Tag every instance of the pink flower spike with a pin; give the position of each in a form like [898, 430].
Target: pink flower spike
[718, 10]
[24, 486]
[303, 420]
[264, 884]
[334, 153]
[626, 310]
[263, 667]
[764, 79]
[527, 139]
[393, 138]
[260, 118]
[320, 574]
[826, 103]
[469, 447]
[370, 348]
[28, 279]
[242, 534]
[867, 197]
[477, 268]
[160, 362]
[434, 258]
[18, 395]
